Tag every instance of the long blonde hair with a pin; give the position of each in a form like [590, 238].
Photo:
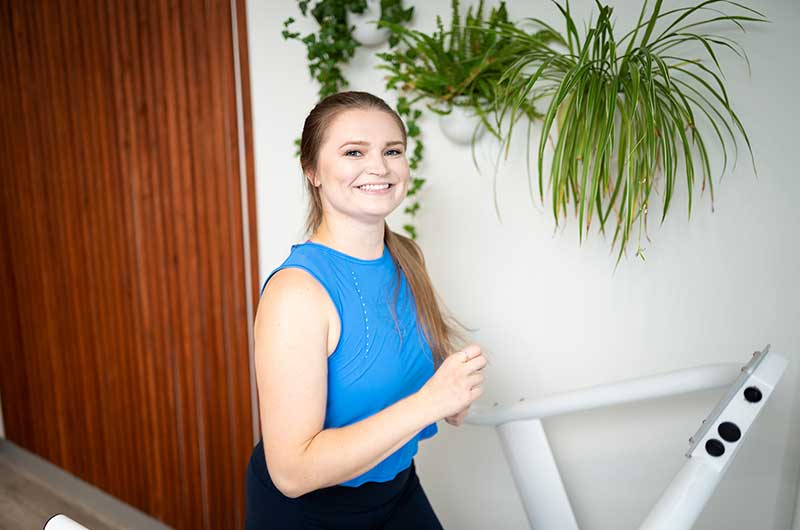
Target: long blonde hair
[439, 327]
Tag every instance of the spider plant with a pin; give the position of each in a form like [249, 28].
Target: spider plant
[626, 109]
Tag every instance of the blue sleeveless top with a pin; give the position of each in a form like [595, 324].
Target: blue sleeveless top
[375, 363]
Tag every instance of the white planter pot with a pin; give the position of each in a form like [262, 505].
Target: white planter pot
[366, 31]
[459, 126]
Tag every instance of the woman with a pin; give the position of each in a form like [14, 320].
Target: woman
[352, 372]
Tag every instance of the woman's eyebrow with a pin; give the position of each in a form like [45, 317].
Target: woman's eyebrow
[362, 142]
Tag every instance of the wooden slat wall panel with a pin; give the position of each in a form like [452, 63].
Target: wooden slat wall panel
[124, 307]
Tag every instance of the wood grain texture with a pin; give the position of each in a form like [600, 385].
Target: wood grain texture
[123, 289]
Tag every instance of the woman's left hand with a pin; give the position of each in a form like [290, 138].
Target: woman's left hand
[457, 419]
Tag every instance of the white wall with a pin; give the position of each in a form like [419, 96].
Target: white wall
[552, 315]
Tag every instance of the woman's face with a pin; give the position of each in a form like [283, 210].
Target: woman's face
[362, 147]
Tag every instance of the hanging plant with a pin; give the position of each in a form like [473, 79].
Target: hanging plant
[334, 45]
[626, 109]
[459, 66]
[455, 70]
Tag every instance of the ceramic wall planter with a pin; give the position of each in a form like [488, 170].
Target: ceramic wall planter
[365, 29]
[461, 124]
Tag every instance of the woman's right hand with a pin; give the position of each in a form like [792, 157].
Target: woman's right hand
[456, 384]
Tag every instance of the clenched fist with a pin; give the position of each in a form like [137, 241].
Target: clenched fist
[455, 385]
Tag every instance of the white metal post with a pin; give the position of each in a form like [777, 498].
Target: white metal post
[536, 475]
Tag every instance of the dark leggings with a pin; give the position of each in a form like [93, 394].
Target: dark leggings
[394, 505]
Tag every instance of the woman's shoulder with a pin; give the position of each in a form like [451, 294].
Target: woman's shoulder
[294, 293]
[299, 258]
[290, 280]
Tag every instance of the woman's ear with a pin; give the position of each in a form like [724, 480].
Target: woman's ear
[310, 177]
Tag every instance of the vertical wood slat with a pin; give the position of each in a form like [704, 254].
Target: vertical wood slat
[124, 324]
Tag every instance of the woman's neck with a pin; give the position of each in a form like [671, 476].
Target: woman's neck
[358, 241]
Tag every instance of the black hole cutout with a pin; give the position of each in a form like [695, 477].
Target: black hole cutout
[729, 431]
[752, 394]
[714, 447]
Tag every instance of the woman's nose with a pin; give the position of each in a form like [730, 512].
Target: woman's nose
[376, 165]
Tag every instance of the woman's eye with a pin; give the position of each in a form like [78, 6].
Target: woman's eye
[390, 151]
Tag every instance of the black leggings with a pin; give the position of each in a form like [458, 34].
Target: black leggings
[398, 504]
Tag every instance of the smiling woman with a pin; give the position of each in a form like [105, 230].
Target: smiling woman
[374, 168]
[354, 358]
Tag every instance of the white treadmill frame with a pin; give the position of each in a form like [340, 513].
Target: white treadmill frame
[534, 469]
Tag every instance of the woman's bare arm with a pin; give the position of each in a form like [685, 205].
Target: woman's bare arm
[340, 454]
[291, 335]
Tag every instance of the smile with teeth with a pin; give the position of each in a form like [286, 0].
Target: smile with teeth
[374, 187]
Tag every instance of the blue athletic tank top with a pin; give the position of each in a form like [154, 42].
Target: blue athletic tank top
[375, 364]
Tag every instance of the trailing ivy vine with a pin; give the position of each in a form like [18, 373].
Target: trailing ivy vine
[333, 45]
